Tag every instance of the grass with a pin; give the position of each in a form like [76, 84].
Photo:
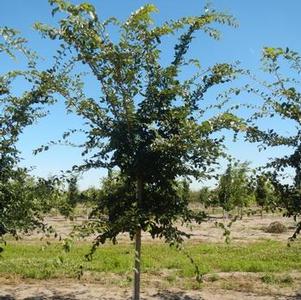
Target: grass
[32, 260]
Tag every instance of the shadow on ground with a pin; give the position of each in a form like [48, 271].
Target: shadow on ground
[164, 295]
[296, 297]
[42, 297]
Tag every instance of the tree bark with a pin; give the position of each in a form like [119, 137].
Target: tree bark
[298, 177]
[138, 246]
[261, 212]
[137, 265]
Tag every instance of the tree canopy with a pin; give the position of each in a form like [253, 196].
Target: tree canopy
[282, 99]
[147, 122]
[234, 186]
[20, 197]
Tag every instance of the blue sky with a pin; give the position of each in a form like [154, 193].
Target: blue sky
[261, 23]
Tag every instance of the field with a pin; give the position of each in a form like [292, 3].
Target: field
[254, 265]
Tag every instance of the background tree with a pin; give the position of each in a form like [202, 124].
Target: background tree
[243, 192]
[73, 192]
[90, 195]
[19, 208]
[225, 192]
[15, 113]
[148, 122]
[208, 197]
[234, 187]
[265, 193]
[282, 100]
[204, 196]
[70, 198]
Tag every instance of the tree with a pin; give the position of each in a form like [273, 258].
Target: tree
[207, 197]
[70, 198]
[265, 193]
[234, 187]
[204, 196]
[282, 99]
[66, 200]
[225, 190]
[15, 114]
[19, 208]
[147, 122]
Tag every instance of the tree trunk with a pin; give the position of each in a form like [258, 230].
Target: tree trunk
[137, 246]
[261, 212]
[298, 178]
[137, 265]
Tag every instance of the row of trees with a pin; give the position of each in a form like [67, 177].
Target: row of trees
[239, 188]
[148, 122]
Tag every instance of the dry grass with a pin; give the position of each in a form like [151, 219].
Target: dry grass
[276, 227]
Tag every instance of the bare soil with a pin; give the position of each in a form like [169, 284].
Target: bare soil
[248, 229]
[246, 287]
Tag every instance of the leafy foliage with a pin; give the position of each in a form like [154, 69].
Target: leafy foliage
[282, 99]
[234, 189]
[265, 193]
[146, 121]
[73, 195]
[19, 208]
[208, 197]
[12, 43]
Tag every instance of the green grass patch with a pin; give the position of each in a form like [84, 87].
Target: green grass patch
[32, 260]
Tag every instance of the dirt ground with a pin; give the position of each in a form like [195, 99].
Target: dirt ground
[68, 290]
[249, 229]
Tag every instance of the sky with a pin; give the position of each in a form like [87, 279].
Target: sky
[261, 23]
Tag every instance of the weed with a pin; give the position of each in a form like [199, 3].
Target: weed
[213, 277]
[268, 278]
[277, 279]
